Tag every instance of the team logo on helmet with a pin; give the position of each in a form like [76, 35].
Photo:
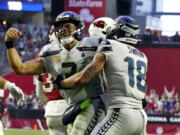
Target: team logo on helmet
[100, 24]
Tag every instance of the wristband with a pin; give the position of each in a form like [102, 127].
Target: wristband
[9, 44]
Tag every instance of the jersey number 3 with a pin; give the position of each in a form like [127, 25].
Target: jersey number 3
[72, 66]
[137, 70]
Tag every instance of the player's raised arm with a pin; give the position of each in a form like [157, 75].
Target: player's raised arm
[85, 75]
[33, 67]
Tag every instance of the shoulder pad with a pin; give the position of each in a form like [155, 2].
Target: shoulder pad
[91, 41]
[104, 42]
[49, 50]
[105, 46]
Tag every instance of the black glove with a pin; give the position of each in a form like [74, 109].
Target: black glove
[57, 82]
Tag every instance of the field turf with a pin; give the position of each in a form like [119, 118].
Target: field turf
[25, 132]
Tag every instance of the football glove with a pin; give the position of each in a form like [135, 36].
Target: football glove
[15, 91]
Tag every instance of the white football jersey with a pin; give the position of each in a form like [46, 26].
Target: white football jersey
[125, 71]
[59, 61]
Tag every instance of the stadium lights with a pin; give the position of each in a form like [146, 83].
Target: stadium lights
[15, 5]
[4, 22]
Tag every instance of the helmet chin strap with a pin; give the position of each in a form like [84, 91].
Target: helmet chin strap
[66, 40]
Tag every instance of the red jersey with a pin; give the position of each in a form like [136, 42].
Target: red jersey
[48, 88]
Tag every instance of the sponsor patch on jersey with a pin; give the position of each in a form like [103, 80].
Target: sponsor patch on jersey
[57, 58]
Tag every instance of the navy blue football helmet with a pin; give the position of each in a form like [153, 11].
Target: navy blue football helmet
[70, 17]
[125, 30]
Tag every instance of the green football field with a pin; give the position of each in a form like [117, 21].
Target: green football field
[25, 132]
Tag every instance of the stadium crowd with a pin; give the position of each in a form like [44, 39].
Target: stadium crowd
[166, 103]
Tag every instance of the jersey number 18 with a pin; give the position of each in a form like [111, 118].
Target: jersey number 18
[141, 68]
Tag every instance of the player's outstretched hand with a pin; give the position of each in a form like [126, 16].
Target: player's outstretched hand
[15, 91]
[12, 34]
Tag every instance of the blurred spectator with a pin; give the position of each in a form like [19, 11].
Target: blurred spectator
[168, 93]
[152, 94]
[158, 104]
[147, 37]
[150, 106]
[163, 104]
[156, 36]
[176, 37]
[151, 36]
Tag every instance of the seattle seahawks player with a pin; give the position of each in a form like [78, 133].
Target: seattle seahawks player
[65, 59]
[55, 104]
[125, 70]
[97, 31]
[15, 91]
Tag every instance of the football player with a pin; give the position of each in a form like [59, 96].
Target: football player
[15, 91]
[125, 70]
[55, 106]
[98, 28]
[72, 57]
[63, 60]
